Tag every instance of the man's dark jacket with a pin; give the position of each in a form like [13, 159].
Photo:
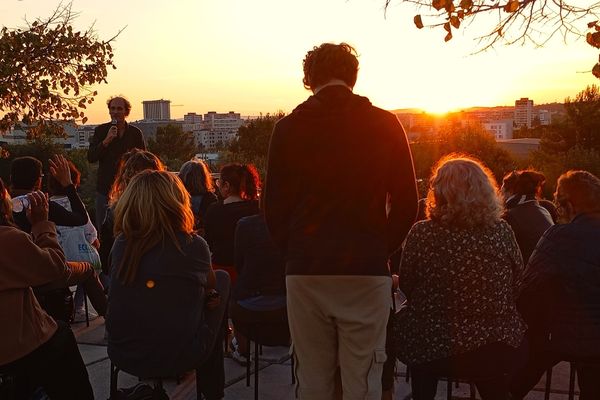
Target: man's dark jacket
[332, 162]
[109, 156]
[560, 293]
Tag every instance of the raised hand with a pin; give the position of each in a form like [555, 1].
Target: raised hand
[38, 207]
[59, 168]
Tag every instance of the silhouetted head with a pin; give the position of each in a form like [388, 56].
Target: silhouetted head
[463, 193]
[131, 163]
[526, 182]
[26, 173]
[330, 61]
[577, 192]
[196, 177]
[239, 180]
[118, 107]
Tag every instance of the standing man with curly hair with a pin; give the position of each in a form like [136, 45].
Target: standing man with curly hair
[110, 141]
[340, 197]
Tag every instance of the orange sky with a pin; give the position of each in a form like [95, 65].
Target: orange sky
[245, 56]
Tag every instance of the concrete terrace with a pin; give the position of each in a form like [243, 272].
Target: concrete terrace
[274, 374]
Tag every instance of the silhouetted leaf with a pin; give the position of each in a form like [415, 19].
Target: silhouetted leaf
[418, 21]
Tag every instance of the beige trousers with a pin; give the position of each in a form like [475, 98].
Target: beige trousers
[338, 321]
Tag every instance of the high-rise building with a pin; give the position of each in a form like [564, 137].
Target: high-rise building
[157, 110]
[523, 112]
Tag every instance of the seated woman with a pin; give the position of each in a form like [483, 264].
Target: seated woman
[459, 272]
[196, 178]
[239, 185]
[527, 218]
[259, 308]
[159, 323]
[33, 347]
[130, 165]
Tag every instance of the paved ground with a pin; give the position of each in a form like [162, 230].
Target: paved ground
[274, 375]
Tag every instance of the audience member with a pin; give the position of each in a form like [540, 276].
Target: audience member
[130, 165]
[259, 307]
[33, 347]
[459, 272]
[239, 186]
[79, 243]
[110, 141]
[158, 324]
[527, 218]
[196, 178]
[26, 176]
[560, 294]
[334, 164]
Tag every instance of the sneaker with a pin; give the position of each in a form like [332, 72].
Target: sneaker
[239, 358]
[80, 315]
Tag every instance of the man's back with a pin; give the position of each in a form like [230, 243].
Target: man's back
[332, 162]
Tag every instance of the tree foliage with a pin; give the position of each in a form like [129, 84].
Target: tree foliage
[454, 138]
[511, 21]
[48, 68]
[252, 144]
[173, 145]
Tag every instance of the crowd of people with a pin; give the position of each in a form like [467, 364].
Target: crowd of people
[500, 284]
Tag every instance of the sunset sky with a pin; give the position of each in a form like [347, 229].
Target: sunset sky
[246, 55]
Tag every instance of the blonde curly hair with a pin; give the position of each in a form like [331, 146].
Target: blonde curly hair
[463, 193]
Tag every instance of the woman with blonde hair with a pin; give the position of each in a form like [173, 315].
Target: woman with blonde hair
[130, 165]
[196, 178]
[165, 313]
[459, 272]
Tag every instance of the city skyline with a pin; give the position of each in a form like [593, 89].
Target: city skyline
[247, 56]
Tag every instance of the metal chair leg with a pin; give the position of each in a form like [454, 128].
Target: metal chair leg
[248, 344]
[114, 375]
[85, 305]
[256, 352]
[548, 384]
[293, 372]
[198, 388]
[572, 381]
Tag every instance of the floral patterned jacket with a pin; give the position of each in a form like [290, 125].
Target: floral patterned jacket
[461, 286]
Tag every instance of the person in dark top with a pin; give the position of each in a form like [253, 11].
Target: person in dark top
[239, 185]
[109, 143]
[527, 218]
[130, 165]
[560, 292]
[196, 178]
[460, 270]
[339, 199]
[258, 310]
[167, 306]
[26, 177]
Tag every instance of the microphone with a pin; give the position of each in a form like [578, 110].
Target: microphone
[113, 122]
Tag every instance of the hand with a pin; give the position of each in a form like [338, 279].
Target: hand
[111, 135]
[59, 168]
[96, 244]
[213, 299]
[395, 281]
[38, 207]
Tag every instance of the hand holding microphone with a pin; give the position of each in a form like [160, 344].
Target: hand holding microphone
[113, 132]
